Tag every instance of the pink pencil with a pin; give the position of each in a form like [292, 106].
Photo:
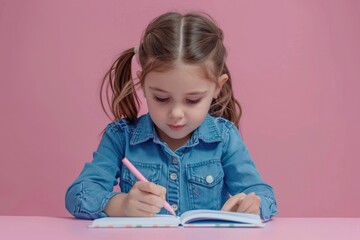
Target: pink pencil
[139, 176]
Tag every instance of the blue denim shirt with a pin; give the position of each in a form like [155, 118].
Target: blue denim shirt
[199, 175]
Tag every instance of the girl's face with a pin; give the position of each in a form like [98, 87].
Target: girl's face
[178, 101]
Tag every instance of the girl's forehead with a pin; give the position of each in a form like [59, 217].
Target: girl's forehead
[181, 77]
[182, 70]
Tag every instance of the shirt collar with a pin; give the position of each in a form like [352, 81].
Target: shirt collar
[207, 131]
[144, 130]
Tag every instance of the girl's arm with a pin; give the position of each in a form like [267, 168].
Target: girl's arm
[241, 175]
[89, 194]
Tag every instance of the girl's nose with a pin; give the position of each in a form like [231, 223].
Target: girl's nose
[176, 112]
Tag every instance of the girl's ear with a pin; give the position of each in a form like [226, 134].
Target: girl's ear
[138, 74]
[220, 83]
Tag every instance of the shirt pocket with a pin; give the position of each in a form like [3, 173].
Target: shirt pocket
[205, 184]
[151, 171]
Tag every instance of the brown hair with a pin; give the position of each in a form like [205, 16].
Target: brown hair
[192, 38]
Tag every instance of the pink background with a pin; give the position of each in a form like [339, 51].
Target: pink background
[295, 66]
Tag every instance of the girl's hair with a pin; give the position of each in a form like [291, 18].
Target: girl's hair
[192, 38]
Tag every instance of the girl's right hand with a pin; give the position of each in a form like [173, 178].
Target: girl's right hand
[145, 199]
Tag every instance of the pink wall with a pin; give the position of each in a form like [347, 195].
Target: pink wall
[296, 72]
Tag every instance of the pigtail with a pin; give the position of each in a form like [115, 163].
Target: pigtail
[225, 105]
[122, 99]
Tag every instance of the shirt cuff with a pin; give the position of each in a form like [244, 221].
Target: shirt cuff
[268, 207]
[87, 203]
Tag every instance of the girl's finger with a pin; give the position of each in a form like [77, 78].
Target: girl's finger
[233, 202]
[151, 188]
[148, 209]
[251, 201]
[152, 199]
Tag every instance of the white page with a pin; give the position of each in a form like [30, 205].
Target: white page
[159, 220]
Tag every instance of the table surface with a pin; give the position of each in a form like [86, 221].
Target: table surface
[36, 227]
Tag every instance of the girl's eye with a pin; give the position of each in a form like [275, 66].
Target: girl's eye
[195, 101]
[162, 100]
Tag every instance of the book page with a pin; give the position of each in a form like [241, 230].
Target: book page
[156, 221]
[219, 218]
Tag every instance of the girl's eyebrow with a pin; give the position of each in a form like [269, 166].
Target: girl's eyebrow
[190, 93]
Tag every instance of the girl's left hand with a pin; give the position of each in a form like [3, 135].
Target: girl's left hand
[243, 203]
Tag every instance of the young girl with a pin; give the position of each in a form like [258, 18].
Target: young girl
[187, 146]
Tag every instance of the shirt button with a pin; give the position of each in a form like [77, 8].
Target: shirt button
[173, 176]
[175, 161]
[174, 207]
[209, 179]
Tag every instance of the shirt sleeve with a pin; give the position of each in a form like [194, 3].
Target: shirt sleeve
[89, 194]
[241, 174]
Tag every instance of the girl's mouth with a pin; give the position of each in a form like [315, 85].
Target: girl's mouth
[175, 127]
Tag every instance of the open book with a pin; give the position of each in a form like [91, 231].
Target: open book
[193, 218]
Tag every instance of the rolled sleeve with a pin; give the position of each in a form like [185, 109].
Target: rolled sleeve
[83, 203]
[268, 206]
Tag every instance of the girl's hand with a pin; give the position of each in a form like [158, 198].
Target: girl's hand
[243, 203]
[145, 199]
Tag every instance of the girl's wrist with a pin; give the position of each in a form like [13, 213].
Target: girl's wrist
[114, 207]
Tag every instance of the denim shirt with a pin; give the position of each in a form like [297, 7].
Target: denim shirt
[199, 175]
